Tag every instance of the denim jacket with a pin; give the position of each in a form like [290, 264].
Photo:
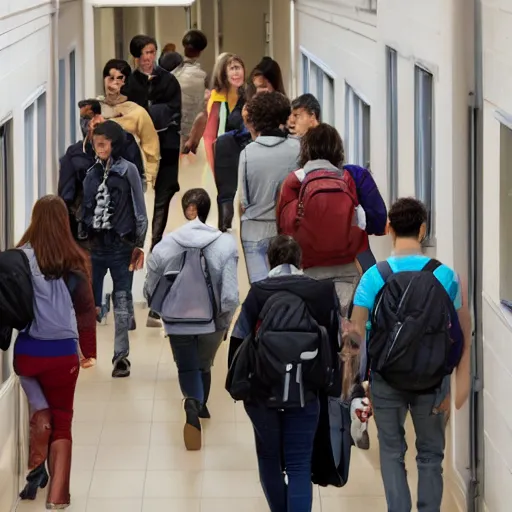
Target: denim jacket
[129, 219]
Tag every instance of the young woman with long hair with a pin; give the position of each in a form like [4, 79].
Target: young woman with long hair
[50, 351]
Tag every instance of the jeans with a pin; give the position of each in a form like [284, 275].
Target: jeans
[256, 260]
[390, 410]
[194, 355]
[115, 257]
[284, 442]
[166, 186]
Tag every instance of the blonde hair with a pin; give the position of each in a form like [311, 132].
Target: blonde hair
[220, 71]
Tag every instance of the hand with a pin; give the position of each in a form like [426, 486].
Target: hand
[350, 335]
[190, 147]
[137, 262]
[88, 362]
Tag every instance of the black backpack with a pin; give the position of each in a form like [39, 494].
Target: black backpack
[410, 342]
[292, 353]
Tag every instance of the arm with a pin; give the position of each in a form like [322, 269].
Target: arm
[167, 113]
[149, 143]
[67, 180]
[242, 182]
[229, 292]
[139, 205]
[155, 270]
[85, 311]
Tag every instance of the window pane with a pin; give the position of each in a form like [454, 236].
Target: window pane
[423, 135]
[72, 96]
[305, 74]
[29, 160]
[392, 116]
[328, 97]
[6, 203]
[62, 107]
[365, 136]
[505, 245]
[348, 139]
[41, 145]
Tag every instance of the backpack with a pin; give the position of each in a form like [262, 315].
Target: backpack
[292, 353]
[54, 313]
[414, 343]
[325, 223]
[186, 299]
[16, 294]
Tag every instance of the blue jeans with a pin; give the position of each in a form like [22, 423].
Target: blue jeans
[284, 442]
[194, 355]
[115, 258]
[256, 260]
[390, 409]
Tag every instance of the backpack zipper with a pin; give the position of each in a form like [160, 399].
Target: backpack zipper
[286, 391]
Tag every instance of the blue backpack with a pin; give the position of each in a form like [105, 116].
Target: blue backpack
[370, 199]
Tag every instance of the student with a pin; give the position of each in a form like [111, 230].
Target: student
[267, 76]
[429, 294]
[194, 344]
[60, 339]
[114, 216]
[285, 417]
[263, 166]
[132, 117]
[170, 61]
[305, 116]
[159, 93]
[192, 79]
[80, 157]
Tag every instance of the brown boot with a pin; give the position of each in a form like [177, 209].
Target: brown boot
[40, 432]
[59, 463]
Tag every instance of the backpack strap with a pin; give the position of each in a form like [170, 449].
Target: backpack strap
[384, 269]
[431, 266]
[246, 181]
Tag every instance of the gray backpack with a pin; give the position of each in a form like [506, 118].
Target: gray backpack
[186, 299]
[54, 313]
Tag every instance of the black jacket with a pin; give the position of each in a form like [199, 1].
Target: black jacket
[161, 97]
[16, 294]
[75, 163]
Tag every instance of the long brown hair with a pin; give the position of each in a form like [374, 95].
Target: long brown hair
[50, 236]
[220, 80]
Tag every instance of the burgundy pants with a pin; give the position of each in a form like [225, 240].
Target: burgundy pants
[57, 377]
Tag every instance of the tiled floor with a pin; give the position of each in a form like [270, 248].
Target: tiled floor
[128, 448]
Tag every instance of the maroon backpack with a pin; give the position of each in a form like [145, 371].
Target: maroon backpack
[325, 224]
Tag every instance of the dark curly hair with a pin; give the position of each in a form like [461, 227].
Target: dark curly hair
[406, 216]
[284, 249]
[322, 143]
[268, 111]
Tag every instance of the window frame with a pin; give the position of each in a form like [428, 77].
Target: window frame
[42, 140]
[358, 125]
[61, 107]
[392, 123]
[72, 68]
[424, 146]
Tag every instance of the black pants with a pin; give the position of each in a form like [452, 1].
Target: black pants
[165, 187]
[227, 155]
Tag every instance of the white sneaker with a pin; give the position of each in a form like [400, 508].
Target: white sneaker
[359, 413]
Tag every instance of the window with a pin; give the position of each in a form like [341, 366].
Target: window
[72, 97]
[505, 212]
[392, 122]
[41, 145]
[372, 5]
[6, 217]
[357, 129]
[424, 143]
[62, 107]
[30, 163]
[318, 82]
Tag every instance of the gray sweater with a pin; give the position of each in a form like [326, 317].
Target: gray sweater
[264, 165]
[221, 255]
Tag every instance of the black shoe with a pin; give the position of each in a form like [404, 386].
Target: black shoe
[192, 429]
[204, 413]
[206, 377]
[154, 320]
[226, 213]
[36, 479]
[121, 368]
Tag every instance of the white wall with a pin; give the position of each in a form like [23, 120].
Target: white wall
[497, 327]
[351, 43]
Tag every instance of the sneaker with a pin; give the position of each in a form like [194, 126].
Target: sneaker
[121, 368]
[360, 411]
[192, 430]
[153, 320]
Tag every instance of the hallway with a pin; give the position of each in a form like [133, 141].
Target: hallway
[128, 447]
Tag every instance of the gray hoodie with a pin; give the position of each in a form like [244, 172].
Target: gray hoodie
[264, 165]
[221, 255]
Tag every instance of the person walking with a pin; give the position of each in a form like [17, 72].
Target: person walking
[286, 318]
[50, 351]
[196, 266]
[412, 351]
[263, 166]
[115, 220]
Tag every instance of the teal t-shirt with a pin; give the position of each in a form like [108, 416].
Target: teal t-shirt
[372, 282]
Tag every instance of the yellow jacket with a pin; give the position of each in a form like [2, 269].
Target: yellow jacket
[135, 120]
